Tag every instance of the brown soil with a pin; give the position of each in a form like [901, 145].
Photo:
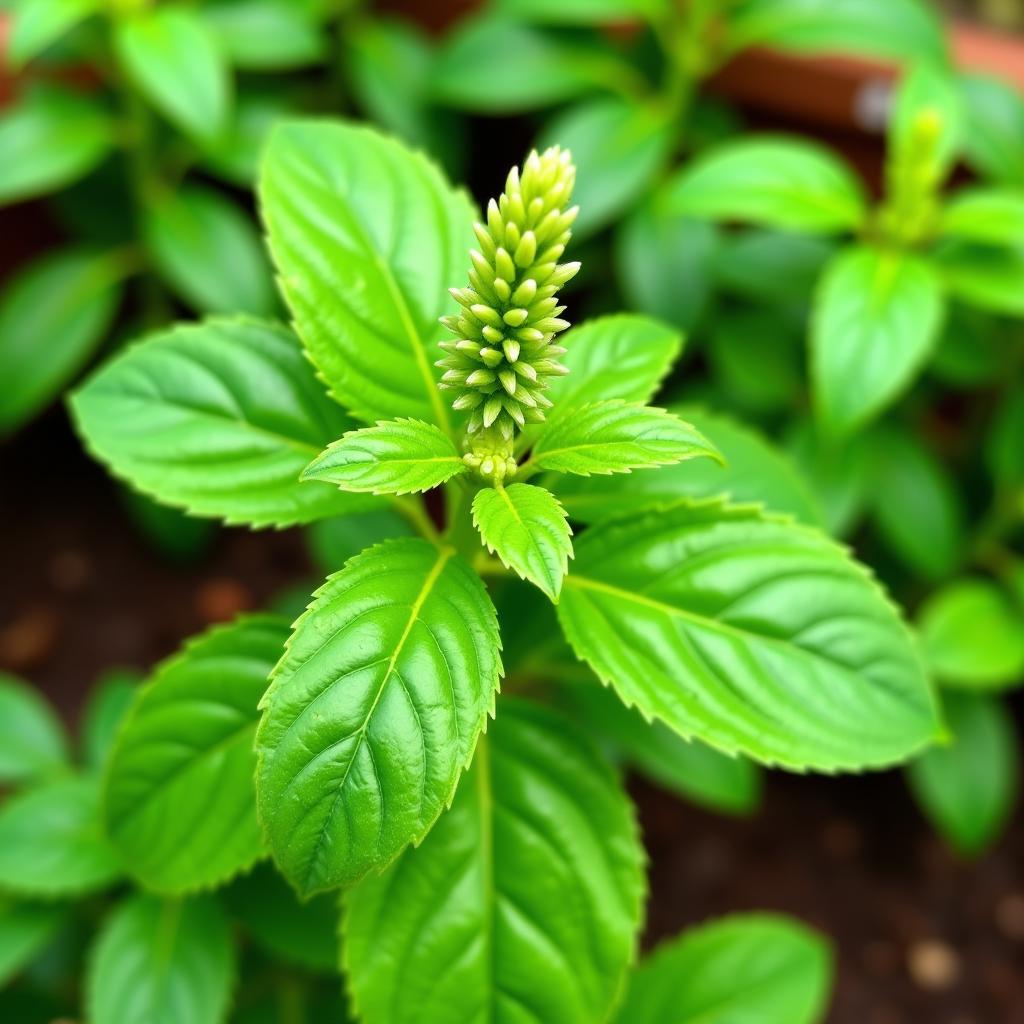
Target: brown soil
[920, 937]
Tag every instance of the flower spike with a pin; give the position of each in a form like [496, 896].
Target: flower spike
[504, 353]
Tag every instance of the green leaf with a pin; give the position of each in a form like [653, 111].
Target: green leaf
[973, 636]
[927, 87]
[994, 146]
[968, 788]
[175, 61]
[916, 505]
[236, 153]
[265, 35]
[663, 263]
[297, 932]
[179, 802]
[772, 267]
[163, 962]
[32, 743]
[494, 65]
[49, 139]
[778, 182]
[754, 634]
[623, 356]
[106, 709]
[62, 306]
[1003, 451]
[988, 278]
[394, 457]
[367, 236]
[692, 770]
[26, 929]
[525, 527]
[876, 320]
[581, 12]
[524, 901]
[209, 252]
[52, 843]
[619, 147]
[218, 418]
[748, 967]
[332, 542]
[993, 216]
[754, 470]
[37, 24]
[874, 28]
[374, 711]
[616, 437]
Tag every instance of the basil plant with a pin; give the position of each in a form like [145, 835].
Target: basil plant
[487, 855]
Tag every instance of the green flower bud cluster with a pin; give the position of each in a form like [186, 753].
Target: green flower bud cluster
[505, 354]
[913, 179]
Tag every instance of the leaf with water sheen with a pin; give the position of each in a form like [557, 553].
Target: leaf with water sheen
[374, 711]
[394, 457]
[761, 968]
[616, 437]
[219, 418]
[162, 962]
[179, 800]
[367, 237]
[521, 906]
[750, 632]
[525, 527]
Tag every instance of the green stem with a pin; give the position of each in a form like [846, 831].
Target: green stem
[415, 512]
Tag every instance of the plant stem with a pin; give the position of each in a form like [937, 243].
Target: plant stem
[415, 512]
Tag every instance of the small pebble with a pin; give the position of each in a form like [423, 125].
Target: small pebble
[933, 964]
[1010, 916]
[220, 600]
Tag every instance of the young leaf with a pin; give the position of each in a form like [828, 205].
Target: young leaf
[664, 263]
[49, 139]
[394, 457]
[209, 253]
[968, 789]
[619, 147]
[161, 961]
[873, 28]
[525, 527]
[37, 24]
[929, 90]
[32, 743]
[753, 470]
[690, 769]
[973, 636]
[266, 35]
[993, 216]
[374, 711]
[26, 929]
[616, 437]
[218, 418]
[174, 60]
[367, 236]
[477, 917]
[876, 319]
[495, 65]
[62, 305]
[778, 182]
[751, 633]
[179, 802]
[107, 708]
[51, 842]
[994, 146]
[749, 967]
[916, 505]
[304, 933]
[624, 356]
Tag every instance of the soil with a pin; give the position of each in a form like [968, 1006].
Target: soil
[920, 937]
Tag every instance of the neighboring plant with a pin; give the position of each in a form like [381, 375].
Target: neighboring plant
[375, 767]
